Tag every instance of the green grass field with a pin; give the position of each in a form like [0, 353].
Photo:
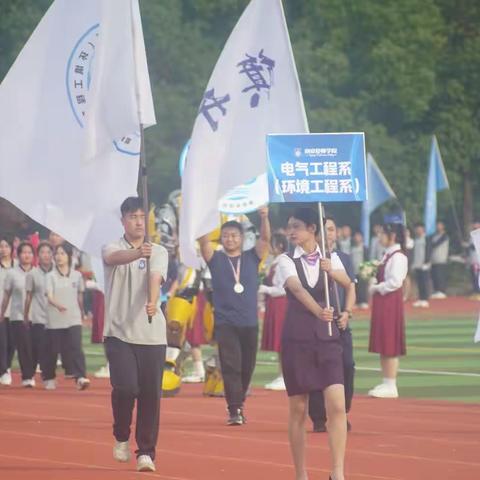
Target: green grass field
[443, 361]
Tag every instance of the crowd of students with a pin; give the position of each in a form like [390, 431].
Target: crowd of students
[42, 307]
[41, 312]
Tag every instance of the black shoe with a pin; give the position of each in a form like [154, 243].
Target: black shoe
[349, 426]
[235, 419]
[319, 427]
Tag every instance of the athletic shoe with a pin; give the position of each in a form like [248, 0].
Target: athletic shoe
[50, 384]
[6, 379]
[277, 385]
[195, 378]
[145, 464]
[83, 383]
[438, 296]
[235, 419]
[121, 452]
[102, 372]
[30, 383]
[417, 304]
[384, 391]
[363, 306]
[425, 304]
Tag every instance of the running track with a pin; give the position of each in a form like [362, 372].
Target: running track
[66, 434]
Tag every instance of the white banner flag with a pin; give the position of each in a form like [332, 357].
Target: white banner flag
[70, 113]
[253, 91]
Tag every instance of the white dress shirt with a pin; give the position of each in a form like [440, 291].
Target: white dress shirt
[276, 289]
[395, 271]
[287, 268]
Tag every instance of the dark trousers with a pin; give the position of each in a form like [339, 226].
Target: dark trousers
[68, 343]
[22, 342]
[316, 405]
[237, 348]
[421, 277]
[439, 277]
[7, 349]
[361, 289]
[39, 347]
[3, 346]
[136, 373]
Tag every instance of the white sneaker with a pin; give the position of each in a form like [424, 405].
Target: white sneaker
[277, 385]
[83, 383]
[384, 391]
[30, 383]
[103, 372]
[438, 296]
[425, 304]
[6, 379]
[417, 304]
[50, 384]
[121, 452]
[145, 464]
[195, 378]
[363, 306]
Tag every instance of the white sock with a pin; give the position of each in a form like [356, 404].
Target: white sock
[390, 382]
[199, 368]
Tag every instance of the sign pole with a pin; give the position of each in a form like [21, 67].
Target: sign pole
[324, 255]
[146, 209]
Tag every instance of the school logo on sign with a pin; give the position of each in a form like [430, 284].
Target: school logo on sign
[80, 68]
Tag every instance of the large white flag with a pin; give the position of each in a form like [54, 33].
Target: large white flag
[253, 91]
[70, 113]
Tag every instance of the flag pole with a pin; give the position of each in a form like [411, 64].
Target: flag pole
[146, 209]
[324, 255]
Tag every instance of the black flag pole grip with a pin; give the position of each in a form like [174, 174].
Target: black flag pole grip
[146, 209]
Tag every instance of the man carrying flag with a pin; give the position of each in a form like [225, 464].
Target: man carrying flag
[81, 116]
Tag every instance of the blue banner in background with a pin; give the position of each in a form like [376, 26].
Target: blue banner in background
[317, 167]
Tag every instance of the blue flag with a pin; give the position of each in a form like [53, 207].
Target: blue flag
[379, 191]
[437, 181]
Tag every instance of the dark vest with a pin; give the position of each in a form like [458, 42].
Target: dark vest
[300, 324]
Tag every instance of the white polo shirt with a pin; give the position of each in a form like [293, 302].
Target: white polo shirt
[287, 268]
[36, 282]
[15, 281]
[3, 275]
[64, 289]
[126, 297]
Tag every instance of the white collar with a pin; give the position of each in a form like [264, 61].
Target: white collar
[392, 249]
[299, 251]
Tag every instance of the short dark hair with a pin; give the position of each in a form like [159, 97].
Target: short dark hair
[329, 216]
[68, 249]
[419, 224]
[9, 240]
[44, 245]
[23, 245]
[398, 230]
[232, 224]
[280, 240]
[131, 204]
[308, 216]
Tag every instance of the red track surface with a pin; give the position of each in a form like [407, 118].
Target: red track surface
[66, 435]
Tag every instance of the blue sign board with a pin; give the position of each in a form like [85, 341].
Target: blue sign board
[317, 167]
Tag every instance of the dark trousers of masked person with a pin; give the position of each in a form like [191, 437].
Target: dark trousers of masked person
[316, 406]
[237, 348]
[136, 374]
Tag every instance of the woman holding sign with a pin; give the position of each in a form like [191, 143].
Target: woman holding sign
[387, 331]
[311, 351]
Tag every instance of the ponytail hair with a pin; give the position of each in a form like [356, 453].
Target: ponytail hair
[398, 230]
